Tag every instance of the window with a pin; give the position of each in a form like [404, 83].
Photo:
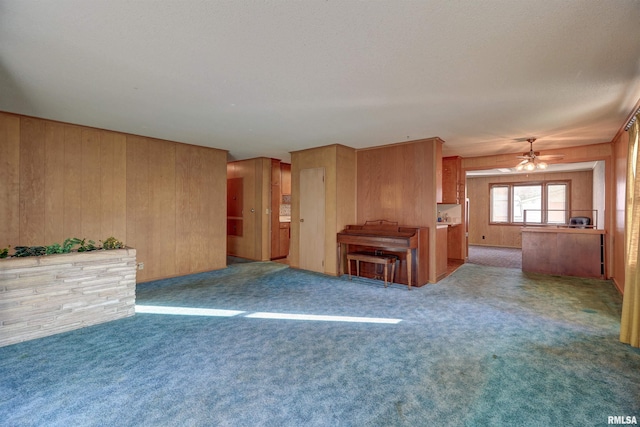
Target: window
[527, 198]
[557, 204]
[533, 203]
[500, 204]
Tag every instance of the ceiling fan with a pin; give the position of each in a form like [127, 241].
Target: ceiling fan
[533, 160]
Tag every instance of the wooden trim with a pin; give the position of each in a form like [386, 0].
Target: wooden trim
[567, 230]
[633, 112]
[399, 144]
[321, 147]
[108, 130]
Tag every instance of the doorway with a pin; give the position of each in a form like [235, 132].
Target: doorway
[492, 256]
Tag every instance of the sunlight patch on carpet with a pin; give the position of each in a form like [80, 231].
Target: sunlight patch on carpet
[192, 311]
[324, 318]
[186, 311]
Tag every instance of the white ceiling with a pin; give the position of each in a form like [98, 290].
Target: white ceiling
[263, 78]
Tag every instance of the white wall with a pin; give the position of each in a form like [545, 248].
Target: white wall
[599, 192]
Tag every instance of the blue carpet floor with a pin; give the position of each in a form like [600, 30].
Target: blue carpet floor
[486, 346]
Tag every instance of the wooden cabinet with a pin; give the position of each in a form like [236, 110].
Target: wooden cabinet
[280, 182]
[285, 180]
[452, 181]
[455, 242]
[234, 206]
[441, 251]
[284, 235]
[276, 199]
[564, 251]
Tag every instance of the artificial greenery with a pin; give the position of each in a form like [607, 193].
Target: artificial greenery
[23, 251]
[83, 245]
[112, 243]
[63, 248]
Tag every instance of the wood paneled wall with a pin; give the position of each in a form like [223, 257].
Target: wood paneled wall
[617, 266]
[398, 183]
[402, 182]
[583, 153]
[510, 235]
[163, 198]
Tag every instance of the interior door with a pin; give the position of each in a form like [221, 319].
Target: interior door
[312, 201]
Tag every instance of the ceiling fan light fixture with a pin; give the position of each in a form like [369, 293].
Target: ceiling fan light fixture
[533, 160]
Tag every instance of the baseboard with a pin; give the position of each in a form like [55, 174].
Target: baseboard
[495, 246]
[617, 285]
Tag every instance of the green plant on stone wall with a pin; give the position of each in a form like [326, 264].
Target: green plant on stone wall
[58, 248]
[85, 245]
[55, 248]
[67, 246]
[24, 251]
[112, 243]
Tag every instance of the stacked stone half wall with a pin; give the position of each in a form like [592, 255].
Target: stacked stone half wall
[41, 296]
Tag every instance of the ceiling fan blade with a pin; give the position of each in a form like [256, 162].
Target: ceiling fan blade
[523, 157]
[524, 162]
[551, 157]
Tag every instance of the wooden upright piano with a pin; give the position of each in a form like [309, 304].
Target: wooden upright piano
[410, 244]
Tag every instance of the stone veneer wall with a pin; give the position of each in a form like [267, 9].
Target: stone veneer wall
[41, 296]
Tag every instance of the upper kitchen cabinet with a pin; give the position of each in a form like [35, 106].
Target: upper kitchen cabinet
[285, 183]
[452, 181]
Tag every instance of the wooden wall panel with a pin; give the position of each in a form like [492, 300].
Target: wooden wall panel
[10, 180]
[72, 174]
[113, 184]
[32, 184]
[191, 228]
[91, 192]
[402, 182]
[54, 183]
[61, 180]
[162, 208]
[216, 185]
[138, 201]
[346, 190]
[183, 210]
[107, 184]
[398, 183]
[617, 265]
[199, 202]
[200, 208]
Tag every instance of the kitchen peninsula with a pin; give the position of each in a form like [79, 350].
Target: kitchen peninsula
[564, 251]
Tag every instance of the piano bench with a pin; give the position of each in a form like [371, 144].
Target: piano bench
[383, 259]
